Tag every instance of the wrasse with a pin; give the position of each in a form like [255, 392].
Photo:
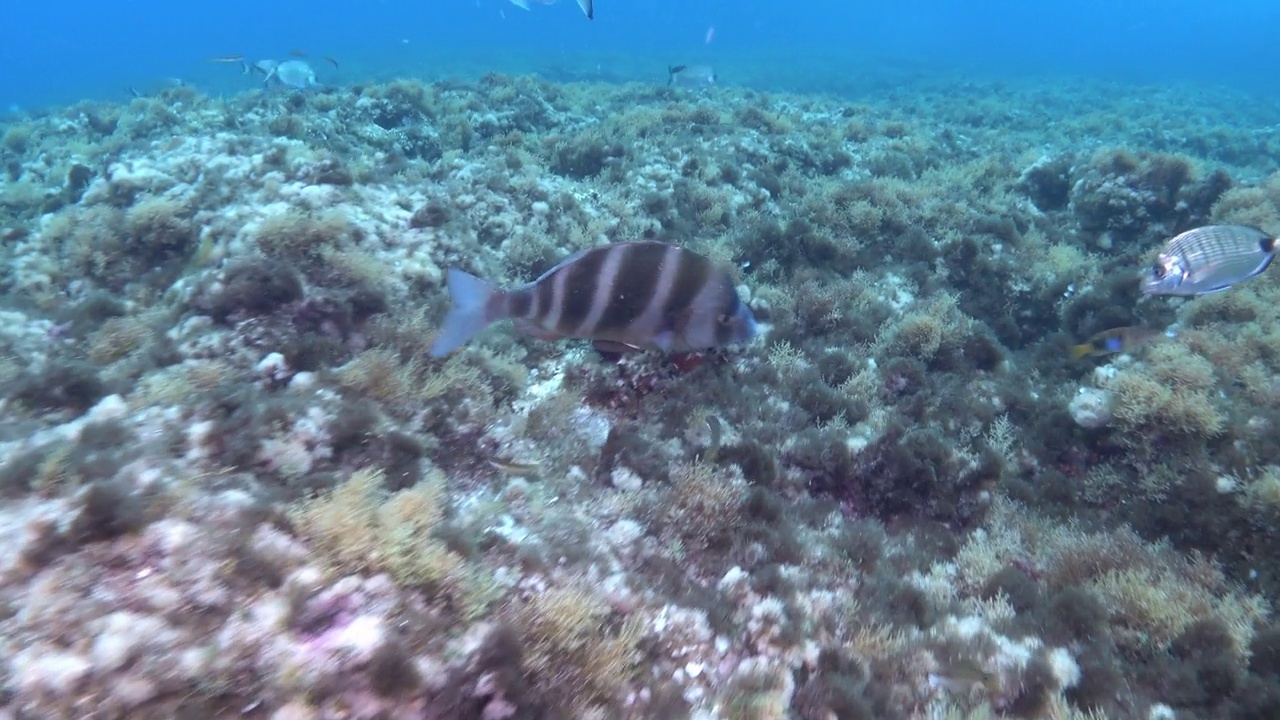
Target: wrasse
[1115, 340]
[227, 59]
[623, 296]
[517, 469]
[1209, 259]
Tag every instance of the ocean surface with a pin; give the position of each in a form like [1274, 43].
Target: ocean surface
[61, 52]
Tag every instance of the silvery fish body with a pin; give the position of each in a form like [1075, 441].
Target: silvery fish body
[691, 76]
[1209, 259]
[294, 73]
[631, 295]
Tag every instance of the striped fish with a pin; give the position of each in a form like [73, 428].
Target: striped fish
[1209, 259]
[624, 296]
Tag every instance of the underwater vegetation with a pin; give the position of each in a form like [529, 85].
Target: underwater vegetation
[236, 482]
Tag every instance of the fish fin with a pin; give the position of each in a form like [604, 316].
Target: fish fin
[1265, 263]
[671, 72]
[587, 9]
[331, 61]
[1081, 350]
[527, 327]
[469, 314]
[613, 347]
[522, 4]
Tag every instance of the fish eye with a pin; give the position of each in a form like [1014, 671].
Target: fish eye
[1158, 271]
[724, 319]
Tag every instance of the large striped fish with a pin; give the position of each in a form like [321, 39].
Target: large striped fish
[624, 296]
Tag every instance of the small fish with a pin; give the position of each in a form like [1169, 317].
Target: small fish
[1209, 259]
[1115, 340]
[227, 59]
[690, 76]
[517, 469]
[713, 447]
[623, 296]
[963, 677]
[586, 5]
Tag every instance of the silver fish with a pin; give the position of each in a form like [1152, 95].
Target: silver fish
[690, 76]
[1209, 259]
[624, 296]
[292, 73]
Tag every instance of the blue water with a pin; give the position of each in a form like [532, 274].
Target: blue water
[55, 52]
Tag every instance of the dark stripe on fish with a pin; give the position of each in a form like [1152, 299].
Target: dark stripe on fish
[691, 273]
[729, 308]
[580, 279]
[634, 287]
[606, 287]
[520, 304]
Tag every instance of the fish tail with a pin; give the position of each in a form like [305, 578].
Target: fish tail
[469, 314]
[1079, 351]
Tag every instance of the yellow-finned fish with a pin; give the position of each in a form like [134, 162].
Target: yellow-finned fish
[1115, 340]
[622, 296]
[1209, 259]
